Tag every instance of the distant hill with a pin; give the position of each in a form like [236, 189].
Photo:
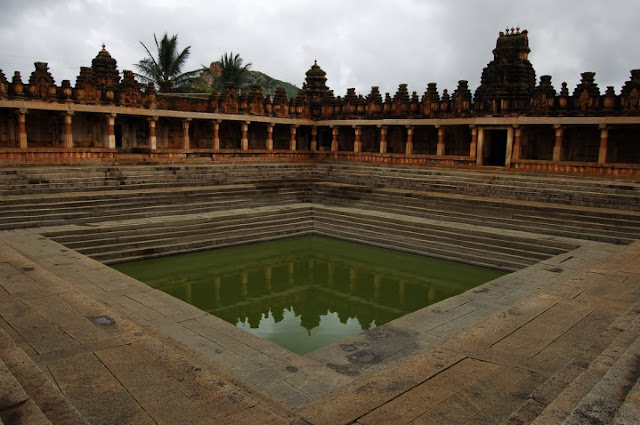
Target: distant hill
[268, 84]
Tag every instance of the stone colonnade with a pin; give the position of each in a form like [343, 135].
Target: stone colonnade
[481, 141]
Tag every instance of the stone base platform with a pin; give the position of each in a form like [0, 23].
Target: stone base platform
[553, 342]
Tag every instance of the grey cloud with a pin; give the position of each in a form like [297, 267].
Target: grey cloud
[358, 43]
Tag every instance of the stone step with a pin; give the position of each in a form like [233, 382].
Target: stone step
[27, 396]
[16, 407]
[558, 180]
[429, 251]
[54, 219]
[449, 236]
[90, 198]
[462, 203]
[177, 236]
[142, 202]
[202, 245]
[563, 229]
[578, 224]
[587, 389]
[125, 233]
[574, 195]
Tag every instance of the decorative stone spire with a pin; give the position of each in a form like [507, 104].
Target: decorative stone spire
[4, 85]
[544, 95]
[630, 94]
[41, 83]
[462, 97]
[509, 79]
[105, 69]
[586, 96]
[316, 82]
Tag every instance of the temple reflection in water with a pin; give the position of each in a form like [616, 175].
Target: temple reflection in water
[325, 288]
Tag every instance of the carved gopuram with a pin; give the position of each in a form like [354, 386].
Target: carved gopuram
[509, 122]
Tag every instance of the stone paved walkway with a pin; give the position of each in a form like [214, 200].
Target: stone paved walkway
[81, 343]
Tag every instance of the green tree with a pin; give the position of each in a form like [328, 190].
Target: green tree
[230, 69]
[165, 70]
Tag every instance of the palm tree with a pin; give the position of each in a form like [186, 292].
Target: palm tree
[166, 69]
[230, 70]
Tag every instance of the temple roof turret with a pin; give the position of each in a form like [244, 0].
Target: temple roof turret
[316, 82]
[510, 75]
[105, 69]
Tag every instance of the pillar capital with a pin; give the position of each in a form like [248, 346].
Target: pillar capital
[558, 126]
[602, 126]
[153, 119]
[23, 111]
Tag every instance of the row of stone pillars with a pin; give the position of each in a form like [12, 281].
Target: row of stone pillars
[513, 147]
[244, 143]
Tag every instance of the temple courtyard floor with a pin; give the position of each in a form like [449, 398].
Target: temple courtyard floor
[81, 343]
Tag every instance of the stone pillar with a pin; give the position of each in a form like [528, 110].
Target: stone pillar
[292, 141]
[383, 139]
[244, 143]
[111, 131]
[357, 144]
[185, 134]
[509, 150]
[314, 138]
[480, 146]
[557, 148]
[216, 135]
[517, 146]
[409, 147]
[68, 130]
[604, 141]
[270, 127]
[474, 141]
[153, 140]
[334, 140]
[440, 150]
[22, 129]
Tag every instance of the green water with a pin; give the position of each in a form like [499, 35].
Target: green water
[307, 292]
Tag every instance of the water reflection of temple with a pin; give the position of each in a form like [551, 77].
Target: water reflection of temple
[312, 280]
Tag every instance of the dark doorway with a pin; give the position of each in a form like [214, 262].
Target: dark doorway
[117, 131]
[495, 148]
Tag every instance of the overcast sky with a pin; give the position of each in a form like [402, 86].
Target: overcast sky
[359, 43]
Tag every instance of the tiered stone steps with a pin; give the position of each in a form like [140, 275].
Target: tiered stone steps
[113, 242]
[98, 177]
[27, 396]
[577, 191]
[133, 240]
[471, 244]
[82, 207]
[613, 226]
[592, 386]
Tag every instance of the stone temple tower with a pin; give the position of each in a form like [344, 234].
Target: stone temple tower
[508, 81]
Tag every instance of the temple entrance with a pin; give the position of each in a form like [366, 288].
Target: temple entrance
[495, 148]
[117, 131]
